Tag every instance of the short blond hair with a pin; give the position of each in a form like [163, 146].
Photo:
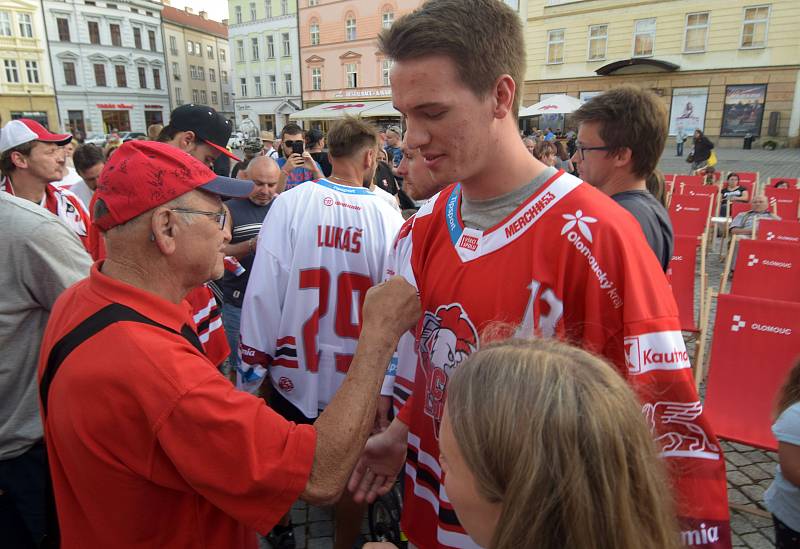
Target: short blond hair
[556, 436]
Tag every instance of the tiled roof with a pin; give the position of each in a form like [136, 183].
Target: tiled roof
[193, 21]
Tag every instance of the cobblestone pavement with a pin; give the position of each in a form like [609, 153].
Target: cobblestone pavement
[750, 471]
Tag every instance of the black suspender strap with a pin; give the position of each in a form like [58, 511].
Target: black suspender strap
[97, 322]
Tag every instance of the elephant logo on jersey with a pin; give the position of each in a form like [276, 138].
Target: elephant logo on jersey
[448, 337]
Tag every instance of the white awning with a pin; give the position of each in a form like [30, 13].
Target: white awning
[557, 104]
[335, 111]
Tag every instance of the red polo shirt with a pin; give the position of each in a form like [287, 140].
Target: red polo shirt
[149, 446]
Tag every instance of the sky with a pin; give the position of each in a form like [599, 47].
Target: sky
[217, 9]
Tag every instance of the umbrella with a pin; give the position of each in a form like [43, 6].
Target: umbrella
[557, 104]
[335, 111]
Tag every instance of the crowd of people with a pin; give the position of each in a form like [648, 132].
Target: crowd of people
[191, 346]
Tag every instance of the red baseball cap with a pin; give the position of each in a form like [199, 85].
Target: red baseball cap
[24, 130]
[143, 175]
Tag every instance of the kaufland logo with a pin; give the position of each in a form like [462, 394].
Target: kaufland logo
[656, 351]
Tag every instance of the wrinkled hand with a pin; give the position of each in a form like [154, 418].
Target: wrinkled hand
[379, 464]
[392, 306]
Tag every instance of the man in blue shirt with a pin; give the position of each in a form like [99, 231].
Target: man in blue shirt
[295, 168]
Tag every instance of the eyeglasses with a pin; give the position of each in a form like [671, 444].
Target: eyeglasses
[584, 149]
[220, 217]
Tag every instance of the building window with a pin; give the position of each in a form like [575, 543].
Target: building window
[175, 72]
[253, 11]
[312, 3]
[122, 78]
[100, 75]
[12, 74]
[287, 82]
[94, 32]
[210, 52]
[555, 46]
[268, 9]
[237, 13]
[142, 77]
[32, 70]
[173, 45]
[644, 37]
[754, 29]
[224, 76]
[214, 98]
[63, 29]
[137, 38]
[157, 79]
[314, 33]
[203, 97]
[221, 54]
[111, 6]
[134, 10]
[192, 72]
[696, 32]
[386, 70]
[189, 47]
[195, 96]
[270, 47]
[151, 38]
[5, 23]
[287, 45]
[212, 75]
[243, 83]
[284, 7]
[598, 40]
[316, 79]
[387, 19]
[273, 85]
[350, 27]
[257, 82]
[351, 74]
[240, 50]
[201, 73]
[254, 48]
[70, 76]
[25, 25]
[179, 96]
[226, 98]
[116, 36]
[198, 49]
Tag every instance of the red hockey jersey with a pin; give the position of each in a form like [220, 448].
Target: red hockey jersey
[569, 263]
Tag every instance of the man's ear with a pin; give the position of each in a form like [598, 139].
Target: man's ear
[163, 230]
[187, 138]
[503, 93]
[623, 156]
[19, 160]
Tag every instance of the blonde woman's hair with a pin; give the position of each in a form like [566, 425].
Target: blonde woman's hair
[557, 437]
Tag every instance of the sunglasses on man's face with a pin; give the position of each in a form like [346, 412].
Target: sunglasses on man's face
[290, 143]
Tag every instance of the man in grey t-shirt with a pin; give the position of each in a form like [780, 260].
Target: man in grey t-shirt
[42, 258]
[621, 136]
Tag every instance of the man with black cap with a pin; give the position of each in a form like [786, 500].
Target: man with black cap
[31, 159]
[168, 453]
[200, 131]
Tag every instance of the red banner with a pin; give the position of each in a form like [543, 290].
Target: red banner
[755, 344]
[767, 269]
[787, 201]
[681, 277]
[690, 214]
[700, 190]
[689, 180]
[780, 231]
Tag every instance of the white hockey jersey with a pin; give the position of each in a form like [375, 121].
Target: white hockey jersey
[322, 246]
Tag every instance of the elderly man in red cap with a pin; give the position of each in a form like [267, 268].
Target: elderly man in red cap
[31, 159]
[149, 446]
